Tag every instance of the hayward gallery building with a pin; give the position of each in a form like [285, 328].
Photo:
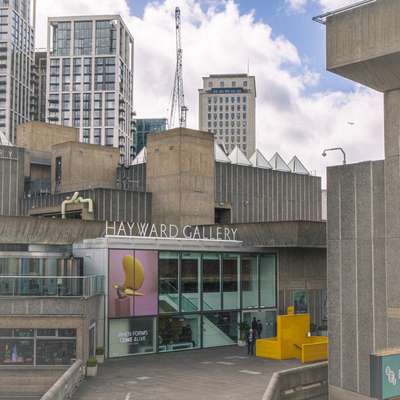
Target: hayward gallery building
[170, 253]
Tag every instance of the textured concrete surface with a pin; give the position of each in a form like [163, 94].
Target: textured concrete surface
[180, 175]
[212, 374]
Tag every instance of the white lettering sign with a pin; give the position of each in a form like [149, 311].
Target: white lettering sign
[169, 231]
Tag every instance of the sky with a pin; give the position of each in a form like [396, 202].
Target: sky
[301, 108]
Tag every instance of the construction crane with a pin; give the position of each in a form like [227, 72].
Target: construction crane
[178, 97]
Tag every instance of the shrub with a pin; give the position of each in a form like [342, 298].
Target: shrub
[99, 351]
[92, 362]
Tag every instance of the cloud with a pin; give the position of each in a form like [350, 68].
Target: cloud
[218, 39]
[296, 5]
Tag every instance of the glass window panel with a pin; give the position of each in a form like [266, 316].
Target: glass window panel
[268, 281]
[168, 297]
[67, 332]
[211, 282]
[6, 332]
[55, 352]
[220, 328]
[129, 336]
[16, 351]
[249, 277]
[46, 332]
[23, 332]
[230, 285]
[178, 332]
[190, 282]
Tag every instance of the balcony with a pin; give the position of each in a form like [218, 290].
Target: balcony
[52, 286]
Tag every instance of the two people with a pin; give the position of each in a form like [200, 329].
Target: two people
[252, 335]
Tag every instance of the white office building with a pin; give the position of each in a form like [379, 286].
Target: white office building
[227, 107]
[16, 60]
[90, 79]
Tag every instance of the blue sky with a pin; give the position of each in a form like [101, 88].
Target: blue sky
[298, 27]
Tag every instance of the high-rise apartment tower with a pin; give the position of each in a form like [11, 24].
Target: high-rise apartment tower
[90, 79]
[16, 60]
[227, 107]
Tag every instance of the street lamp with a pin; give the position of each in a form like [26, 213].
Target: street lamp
[334, 149]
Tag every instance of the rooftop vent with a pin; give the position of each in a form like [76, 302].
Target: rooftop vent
[278, 164]
[141, 158]
[297, 166]
[237, 157]
[259, 161]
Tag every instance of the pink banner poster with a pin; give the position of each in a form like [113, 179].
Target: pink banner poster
[132, 283]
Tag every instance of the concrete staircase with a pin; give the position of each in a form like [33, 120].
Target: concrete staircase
[27, 383]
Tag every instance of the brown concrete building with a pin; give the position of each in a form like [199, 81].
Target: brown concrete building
[180, 176]
[80, 166]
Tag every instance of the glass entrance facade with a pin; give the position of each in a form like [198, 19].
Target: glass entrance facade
[175, 300]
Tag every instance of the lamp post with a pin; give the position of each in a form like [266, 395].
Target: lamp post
[335, 149]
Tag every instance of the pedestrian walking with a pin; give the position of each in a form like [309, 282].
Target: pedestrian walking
[254, 324]
[259, 329]
[251, 340]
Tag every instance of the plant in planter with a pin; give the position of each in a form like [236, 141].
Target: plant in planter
[244, 327]
[91, 367]
[100, 354]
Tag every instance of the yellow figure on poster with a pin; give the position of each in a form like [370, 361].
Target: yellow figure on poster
[134, 278]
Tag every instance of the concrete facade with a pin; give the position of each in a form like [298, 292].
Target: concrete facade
[258, 194]
[108, 204]
[180, 175]
[38, 136]
[251, 194]
[364, 207]
[83, 166]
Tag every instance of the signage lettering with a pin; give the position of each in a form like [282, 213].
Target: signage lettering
[169, 231]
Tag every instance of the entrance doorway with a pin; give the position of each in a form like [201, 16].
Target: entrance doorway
[267, 319]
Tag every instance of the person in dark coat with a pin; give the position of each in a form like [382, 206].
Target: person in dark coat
[254, 324]
[259, 329]
[250, 340]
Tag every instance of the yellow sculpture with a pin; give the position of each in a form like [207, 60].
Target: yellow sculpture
[134, 278]
[292, 341]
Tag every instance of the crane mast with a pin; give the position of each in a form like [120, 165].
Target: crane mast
[178, 97]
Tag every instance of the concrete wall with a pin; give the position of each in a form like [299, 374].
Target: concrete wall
[39, 136]
[109, 204]
[257, 194]
[364, 44]
[303, 269]
[252, 194]
[84, 166]
[54, 313]
[11, 180]
[180, 176]
[357, 291]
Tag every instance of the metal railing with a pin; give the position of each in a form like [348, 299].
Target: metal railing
[323, 17]
[66, 385]
[52, 286]
[305, 382]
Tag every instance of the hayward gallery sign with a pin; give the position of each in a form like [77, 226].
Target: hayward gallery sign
[169, 231]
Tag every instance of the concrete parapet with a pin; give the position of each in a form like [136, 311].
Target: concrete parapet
[363, 44]
[305, 382]
[67, 384]
[30, 381]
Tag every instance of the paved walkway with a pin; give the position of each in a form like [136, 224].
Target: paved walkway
[209, 374]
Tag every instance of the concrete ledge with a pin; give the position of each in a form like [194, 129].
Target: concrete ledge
[305, 382]
[67, 384]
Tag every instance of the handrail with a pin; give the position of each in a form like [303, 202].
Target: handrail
[321, 19]
[67, 384]
[51, 286]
